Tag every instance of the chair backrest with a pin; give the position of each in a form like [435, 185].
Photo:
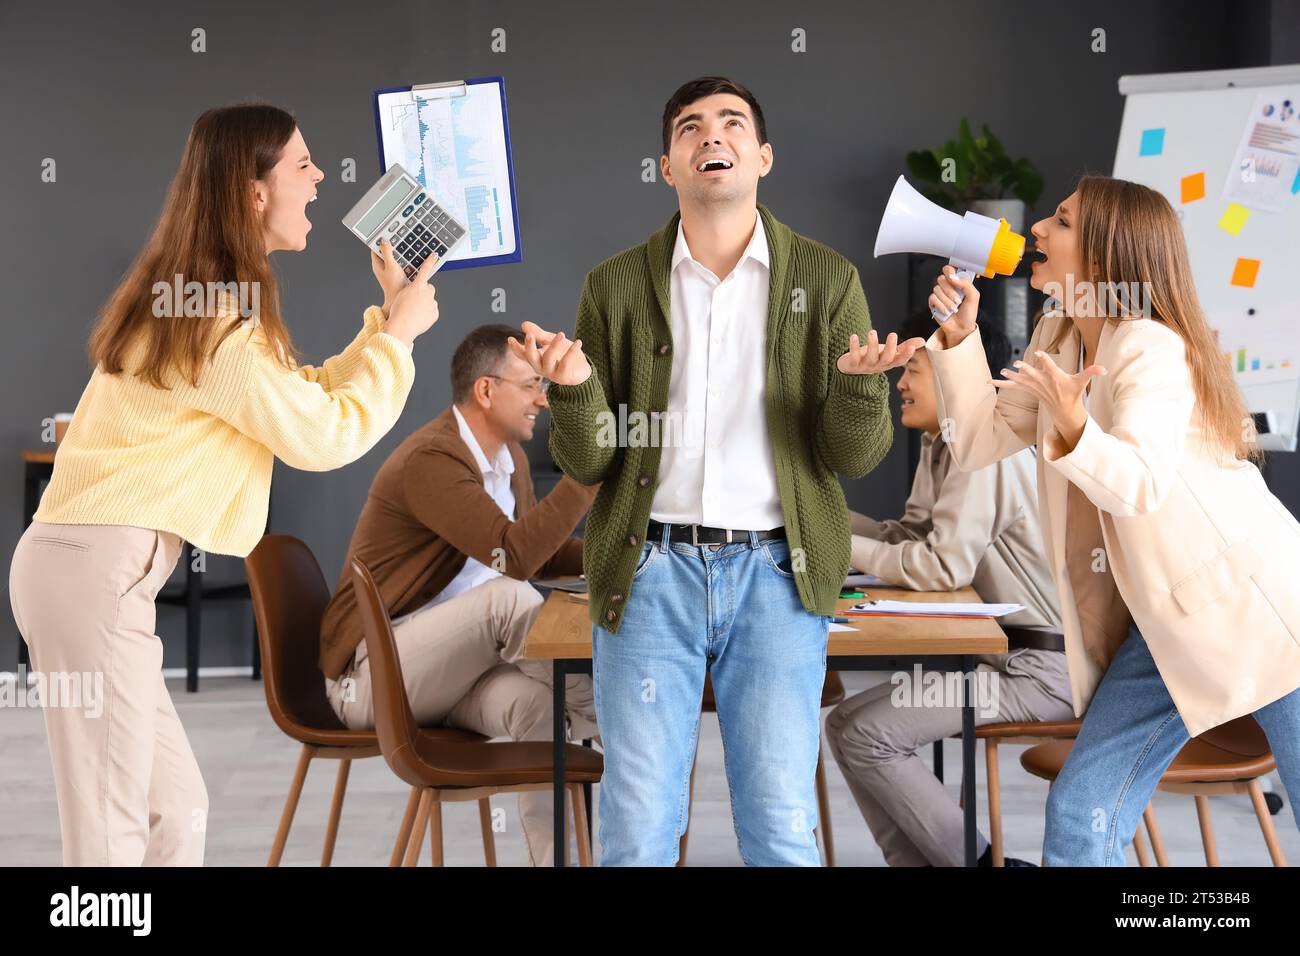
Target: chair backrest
[289, 597]
[395, 724]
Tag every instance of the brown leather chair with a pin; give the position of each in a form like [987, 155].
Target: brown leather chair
[289, 597]
[1028, 732]
[832, 694]
[446, 770]
[1228, 759]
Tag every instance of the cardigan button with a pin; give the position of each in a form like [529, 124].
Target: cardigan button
[632, 540]
[665, 348]
[610, 616]
[614, 599]
[643, 481]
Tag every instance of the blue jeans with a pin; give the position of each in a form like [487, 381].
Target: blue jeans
[734, 612]
[1130, 735]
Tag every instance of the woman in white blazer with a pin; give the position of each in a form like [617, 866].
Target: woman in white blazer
[1178, 571]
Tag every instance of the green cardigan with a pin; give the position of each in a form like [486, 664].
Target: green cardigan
[821, 421]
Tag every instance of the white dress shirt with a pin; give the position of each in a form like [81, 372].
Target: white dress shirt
[718, 469]
[496, 481]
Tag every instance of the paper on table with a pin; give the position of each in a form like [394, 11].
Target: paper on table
[925, 608]
[577, 585]
[865, 581]
[840, 627]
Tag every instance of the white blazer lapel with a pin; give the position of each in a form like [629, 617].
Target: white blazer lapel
[1054, 484]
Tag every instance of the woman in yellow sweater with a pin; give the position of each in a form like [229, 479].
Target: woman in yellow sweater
[174, 439]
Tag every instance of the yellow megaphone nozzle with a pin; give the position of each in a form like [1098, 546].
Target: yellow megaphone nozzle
[1008, 247]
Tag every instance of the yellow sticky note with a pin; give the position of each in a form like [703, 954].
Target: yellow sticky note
[1244, 273]
[1193, 187]
[1234, 217]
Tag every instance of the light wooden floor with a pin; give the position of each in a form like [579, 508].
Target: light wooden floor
[247, 764]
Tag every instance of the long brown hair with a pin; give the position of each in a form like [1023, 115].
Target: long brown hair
[209, 231]
[1130, 237]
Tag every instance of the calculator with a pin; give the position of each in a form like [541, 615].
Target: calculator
[399, 209]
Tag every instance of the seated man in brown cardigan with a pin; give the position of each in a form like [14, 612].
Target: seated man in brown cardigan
[452, 532]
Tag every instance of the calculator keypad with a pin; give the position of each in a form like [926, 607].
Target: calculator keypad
[427, 230]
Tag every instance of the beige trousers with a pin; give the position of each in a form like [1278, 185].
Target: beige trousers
[128, 786]
[876, 736]
[462, 664]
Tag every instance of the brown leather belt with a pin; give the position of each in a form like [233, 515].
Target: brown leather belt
[1020, 637]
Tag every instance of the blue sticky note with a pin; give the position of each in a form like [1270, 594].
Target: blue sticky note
[1153, 142]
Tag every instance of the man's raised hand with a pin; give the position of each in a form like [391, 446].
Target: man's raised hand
[552, 355]
[874, 356]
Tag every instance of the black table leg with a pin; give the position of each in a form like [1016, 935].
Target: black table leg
[586, 800]
[193, 618]
[257, 652]
[558, 738]
[968, 755]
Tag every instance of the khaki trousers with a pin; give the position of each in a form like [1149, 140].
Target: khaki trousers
[128, 786]
[462, 664]
[876, 736]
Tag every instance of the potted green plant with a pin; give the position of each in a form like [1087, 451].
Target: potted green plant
[981, 178]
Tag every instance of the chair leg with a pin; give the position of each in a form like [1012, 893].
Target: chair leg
[1153, 831]
[489, 839]
[1207, 830]
[435, 832]
[404, 832]
[995, 801]
[1266, 823]
[336, 811]
[690, 808]
[1140, 848]
[291, 804]
[417, 828]
[580, 823]
[824, 811]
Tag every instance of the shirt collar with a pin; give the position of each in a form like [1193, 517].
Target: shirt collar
[756, 250]
[504, 463]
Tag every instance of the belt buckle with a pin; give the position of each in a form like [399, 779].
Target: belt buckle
[695, 536]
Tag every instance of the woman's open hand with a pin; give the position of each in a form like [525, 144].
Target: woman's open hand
[1056, 390]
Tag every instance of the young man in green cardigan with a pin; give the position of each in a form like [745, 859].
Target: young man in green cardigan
[721, 375]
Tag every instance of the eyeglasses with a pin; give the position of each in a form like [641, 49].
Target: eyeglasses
[536, 386]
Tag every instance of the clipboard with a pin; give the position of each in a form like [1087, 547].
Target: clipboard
[481, 213]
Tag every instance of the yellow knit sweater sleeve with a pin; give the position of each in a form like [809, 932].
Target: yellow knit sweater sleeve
[314, 419]
[339, 368]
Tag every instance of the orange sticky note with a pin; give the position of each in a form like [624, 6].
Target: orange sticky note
[1193, 187]
[1244, 272]
[1234, 217]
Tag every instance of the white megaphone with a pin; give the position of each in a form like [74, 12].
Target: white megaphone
[975, 244]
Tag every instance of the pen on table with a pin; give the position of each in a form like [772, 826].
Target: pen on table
[839, 620]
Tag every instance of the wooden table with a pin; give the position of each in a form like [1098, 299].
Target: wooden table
[562, 635]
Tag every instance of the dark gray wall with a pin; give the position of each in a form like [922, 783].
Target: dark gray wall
[110, 91]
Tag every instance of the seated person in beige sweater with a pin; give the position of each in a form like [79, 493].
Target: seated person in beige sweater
[977, 530]
[452, 532]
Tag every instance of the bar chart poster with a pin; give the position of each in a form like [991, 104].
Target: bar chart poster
[456, 146]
